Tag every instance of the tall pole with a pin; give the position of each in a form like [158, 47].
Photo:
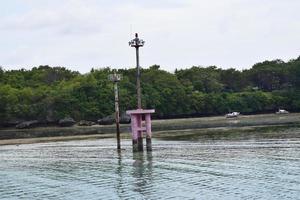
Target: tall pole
[117, 113]
[115, 78]
[138, 80]
[137, 43]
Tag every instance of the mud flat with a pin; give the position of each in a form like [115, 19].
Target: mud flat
[246, 125]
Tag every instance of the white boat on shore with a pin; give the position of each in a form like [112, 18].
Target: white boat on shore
[232, 114]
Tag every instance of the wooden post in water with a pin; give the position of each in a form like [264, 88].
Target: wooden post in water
[115, 78]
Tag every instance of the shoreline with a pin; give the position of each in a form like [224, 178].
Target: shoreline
[248, 132]
[161, 128]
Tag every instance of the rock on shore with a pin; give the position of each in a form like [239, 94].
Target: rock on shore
[27, 124]
[67, 121]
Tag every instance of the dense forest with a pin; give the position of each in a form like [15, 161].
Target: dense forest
[50, 93]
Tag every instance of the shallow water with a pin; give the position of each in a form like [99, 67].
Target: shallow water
[210, 169]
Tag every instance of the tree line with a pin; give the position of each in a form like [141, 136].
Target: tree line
[50, 93]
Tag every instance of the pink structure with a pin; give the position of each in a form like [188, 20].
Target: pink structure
[138, 127]
[137, 116]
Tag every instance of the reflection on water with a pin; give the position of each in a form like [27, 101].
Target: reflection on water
[206, 169]
[141, 172]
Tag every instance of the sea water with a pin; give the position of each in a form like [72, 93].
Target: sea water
[202, 169]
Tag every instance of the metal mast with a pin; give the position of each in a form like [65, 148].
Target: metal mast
[137, 43]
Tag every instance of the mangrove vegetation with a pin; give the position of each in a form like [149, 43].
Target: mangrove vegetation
[48, 94]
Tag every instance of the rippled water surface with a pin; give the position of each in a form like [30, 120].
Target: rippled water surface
[218, 169]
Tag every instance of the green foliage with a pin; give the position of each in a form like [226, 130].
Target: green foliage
[203, 79]
[51, 93]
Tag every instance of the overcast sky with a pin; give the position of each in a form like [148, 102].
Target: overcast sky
[81, 34]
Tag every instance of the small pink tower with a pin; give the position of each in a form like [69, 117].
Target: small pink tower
[138, 127]
[137, 116]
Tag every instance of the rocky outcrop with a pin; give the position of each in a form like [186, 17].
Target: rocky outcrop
[108, 120]
[27, 124]
[67, 121]
[10, 123]
[125, 119]
[86, 123]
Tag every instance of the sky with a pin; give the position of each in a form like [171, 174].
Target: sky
[85, 34]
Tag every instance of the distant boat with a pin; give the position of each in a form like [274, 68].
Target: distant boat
[232, 114]
[282, 111]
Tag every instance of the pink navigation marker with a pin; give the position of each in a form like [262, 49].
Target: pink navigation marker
[138, 127]
[138, 115]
